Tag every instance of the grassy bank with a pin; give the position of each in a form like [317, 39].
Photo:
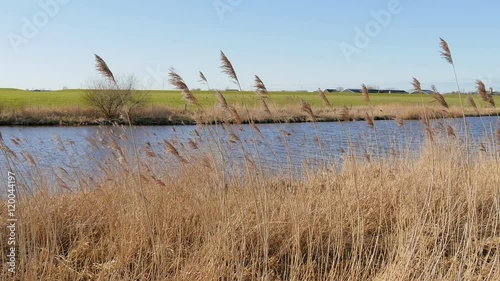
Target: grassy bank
[13, 98]
[167, 108]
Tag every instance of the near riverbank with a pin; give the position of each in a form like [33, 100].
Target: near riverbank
[162, 115]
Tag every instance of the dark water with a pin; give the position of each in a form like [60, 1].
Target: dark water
[61, 153]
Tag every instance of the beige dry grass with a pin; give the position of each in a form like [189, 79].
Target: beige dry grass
[267, 113]
[368, 221]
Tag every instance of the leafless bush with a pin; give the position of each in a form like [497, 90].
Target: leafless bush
[112, 99]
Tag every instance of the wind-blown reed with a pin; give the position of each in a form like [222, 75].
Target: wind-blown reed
[228, 69]
[103, 69]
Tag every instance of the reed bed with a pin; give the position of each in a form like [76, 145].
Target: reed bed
[291, 113]
[377, 220]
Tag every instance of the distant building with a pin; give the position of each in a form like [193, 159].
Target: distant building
[427, 92]
[375, 91]
[332, 91]
[393, 92]
[357, 91]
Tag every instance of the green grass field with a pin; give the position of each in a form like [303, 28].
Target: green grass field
[14, 98]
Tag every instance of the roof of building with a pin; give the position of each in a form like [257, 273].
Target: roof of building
[377, 91]
[427, 92]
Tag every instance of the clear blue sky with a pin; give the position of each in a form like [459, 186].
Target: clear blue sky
[290, 44]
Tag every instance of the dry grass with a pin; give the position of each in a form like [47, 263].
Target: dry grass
[267, 113]
[368, 221]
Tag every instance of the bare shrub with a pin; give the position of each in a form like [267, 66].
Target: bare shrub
[112, 99]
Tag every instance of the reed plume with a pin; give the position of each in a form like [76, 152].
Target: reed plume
[439, 97]
[227, 68]
[223, 104]
[481, 90]
[399, 120]
[345, 114]
[262, 93]
[5, 148]
[450, 132]
[260, 87]
[306, 107]
[236, 116]
[472, 103]
[418, 88]
[103, 69]
[233, 137]
[171, 148]
[221, 99]
[28, 158]
[364, 91]
[323, 97]
[176, 80]
[192, 144]
[369, 120]
[265, 106]
[203, 79]
[485, 96]
[429, 133]
[252, 124]
[445, 53]
[416, 85]
[482, 148]
[62, 184]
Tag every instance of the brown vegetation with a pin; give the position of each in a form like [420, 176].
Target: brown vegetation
[367, 221]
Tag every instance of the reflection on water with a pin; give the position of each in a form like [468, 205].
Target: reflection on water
[63, 154]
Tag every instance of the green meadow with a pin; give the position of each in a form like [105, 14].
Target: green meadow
[14, 98]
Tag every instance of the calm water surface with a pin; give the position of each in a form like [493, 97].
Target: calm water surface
[57, 153]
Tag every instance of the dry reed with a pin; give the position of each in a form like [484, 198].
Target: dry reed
[203, 79]
[323, 97]
[364, 91]
[471, 102]
[369, 120]
[260, 88]
[262, 94]
[345, 114]
[445, 51]
[228, 69]
[103, 69]
[485, 96]
[306, 107]
[439, 97]
[326, 226]
[176, 80]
